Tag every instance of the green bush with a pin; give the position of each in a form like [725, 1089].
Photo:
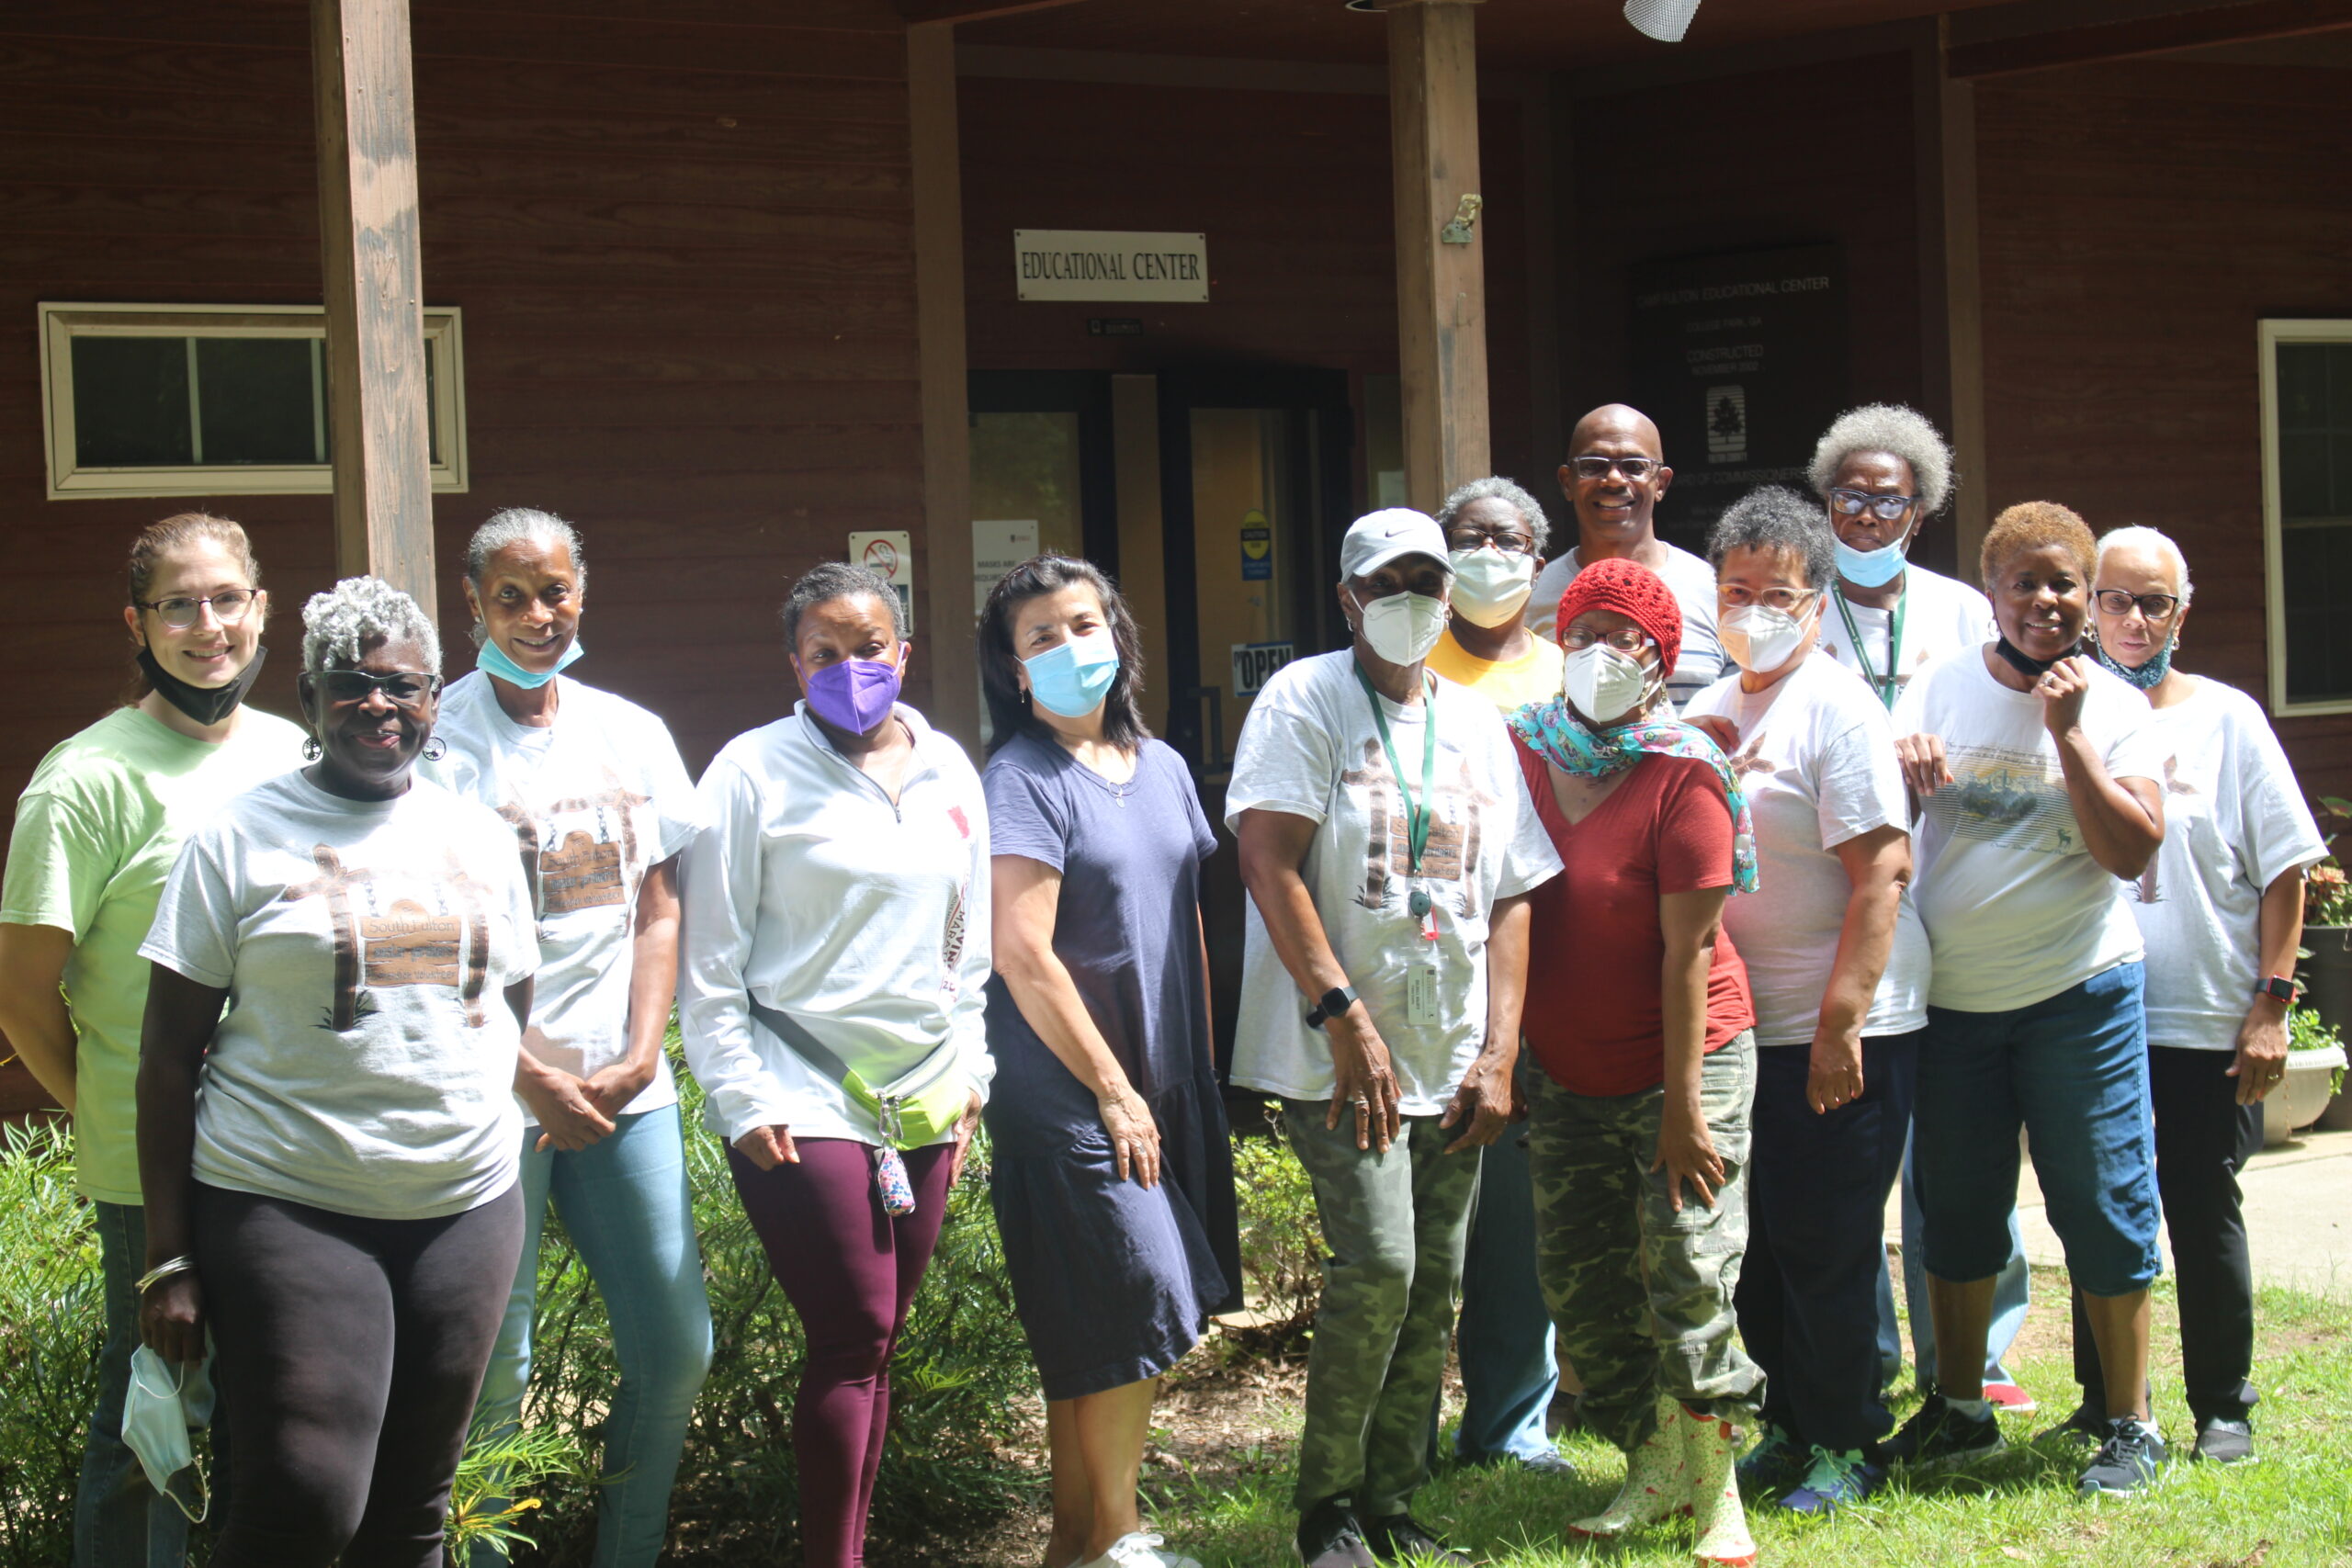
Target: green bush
[51, 1324]
[1282, 1244]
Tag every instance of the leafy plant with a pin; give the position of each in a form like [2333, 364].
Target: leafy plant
[2327, 895]
[1282, 1243]
[2306, 1031]
[51, 1324]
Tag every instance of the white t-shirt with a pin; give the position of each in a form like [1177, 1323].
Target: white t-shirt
[1311, 748]
[597, 799]
[1941, 615]
[366, 1063]
[2234, 820]
[2016, 909]
[1816, 760]
[1692, 582]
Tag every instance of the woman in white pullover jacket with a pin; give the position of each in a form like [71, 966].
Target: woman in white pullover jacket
[836, 947]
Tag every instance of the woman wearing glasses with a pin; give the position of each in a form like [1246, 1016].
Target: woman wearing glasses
[2221, 910]
[1837, 961]
[96, 831]
[1638, 1012]
[339, 1205]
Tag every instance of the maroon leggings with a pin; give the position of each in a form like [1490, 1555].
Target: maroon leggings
[850, 1269]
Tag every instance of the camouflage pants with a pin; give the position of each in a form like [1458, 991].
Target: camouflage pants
[1393, 1225]
[1643, 1295]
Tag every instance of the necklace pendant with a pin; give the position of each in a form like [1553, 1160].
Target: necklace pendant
[1419, 904]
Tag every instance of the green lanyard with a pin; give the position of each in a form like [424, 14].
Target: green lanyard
[1886, 685]
[1417, 813]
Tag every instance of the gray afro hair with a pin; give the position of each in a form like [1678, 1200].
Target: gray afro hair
[1893, 428]
[342, 623]
[513, 525]
[1773, 517]
[1494, 487]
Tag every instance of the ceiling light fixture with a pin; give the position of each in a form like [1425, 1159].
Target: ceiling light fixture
[1665, 20]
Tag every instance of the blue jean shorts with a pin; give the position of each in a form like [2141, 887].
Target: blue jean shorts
[2072, 1070]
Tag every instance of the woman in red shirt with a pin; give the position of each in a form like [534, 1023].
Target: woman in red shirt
[1638, 1010]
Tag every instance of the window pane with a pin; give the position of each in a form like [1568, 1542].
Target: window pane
[255, 395]
[130, 403]
[2316, 561]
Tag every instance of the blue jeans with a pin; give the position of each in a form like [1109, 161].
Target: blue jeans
[625, 1204]
[2071, 1069]
[2012, 1294]
[119, 1521]
[1505, 1340]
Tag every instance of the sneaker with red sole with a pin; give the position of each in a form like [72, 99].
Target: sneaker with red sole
[2009, 1399]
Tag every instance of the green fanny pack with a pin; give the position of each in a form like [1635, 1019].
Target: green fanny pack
[916, 1108]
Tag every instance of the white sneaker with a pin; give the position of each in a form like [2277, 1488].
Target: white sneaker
[1138, 1549]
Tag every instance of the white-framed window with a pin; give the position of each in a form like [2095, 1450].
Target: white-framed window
[2307, 513]
[213, 400]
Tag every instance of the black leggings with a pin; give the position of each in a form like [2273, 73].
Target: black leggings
[352, 1350]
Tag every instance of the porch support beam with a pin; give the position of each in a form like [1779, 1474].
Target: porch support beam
[374, 299]
[1440, 286]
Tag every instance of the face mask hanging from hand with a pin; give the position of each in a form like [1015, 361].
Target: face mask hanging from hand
[1490, 587]
[1403, 628]
[1872, 569]
[1604, 684]
[855, 694]
[1761, 638]
[1073, 678]
[162, 1406]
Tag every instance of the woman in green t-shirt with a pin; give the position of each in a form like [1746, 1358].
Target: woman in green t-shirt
[95, 831]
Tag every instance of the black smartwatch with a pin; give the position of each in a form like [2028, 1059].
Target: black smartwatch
[2278, 986]
[1335, 1002]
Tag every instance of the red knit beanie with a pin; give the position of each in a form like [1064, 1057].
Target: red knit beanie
[1631, 589]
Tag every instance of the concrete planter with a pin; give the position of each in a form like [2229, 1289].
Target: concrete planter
[2298, 1100]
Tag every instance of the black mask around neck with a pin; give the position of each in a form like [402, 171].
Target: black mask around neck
[2031, 669]
[206, 704]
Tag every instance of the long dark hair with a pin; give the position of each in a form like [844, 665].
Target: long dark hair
[1009, 713]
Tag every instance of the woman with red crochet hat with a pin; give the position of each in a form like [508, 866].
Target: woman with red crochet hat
[1638, 1012]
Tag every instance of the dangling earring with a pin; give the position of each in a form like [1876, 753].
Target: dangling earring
[434, 750]
[311, 750]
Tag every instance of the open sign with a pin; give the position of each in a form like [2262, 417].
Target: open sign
[1254, 664]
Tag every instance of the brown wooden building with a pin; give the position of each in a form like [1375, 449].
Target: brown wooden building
[725, 283]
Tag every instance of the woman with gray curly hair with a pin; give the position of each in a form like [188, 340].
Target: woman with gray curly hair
[1837, 963]
[339, 1208]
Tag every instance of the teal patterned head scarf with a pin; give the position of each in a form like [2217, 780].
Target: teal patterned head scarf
[1554, 732]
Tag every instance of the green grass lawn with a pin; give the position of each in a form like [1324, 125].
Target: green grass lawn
[2292, 1507]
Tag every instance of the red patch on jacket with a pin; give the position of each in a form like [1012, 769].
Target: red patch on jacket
[956, 815]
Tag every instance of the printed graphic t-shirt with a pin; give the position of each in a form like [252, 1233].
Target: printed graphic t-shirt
[366, 1061]
[596, 799]
[97, 832]
[1311, 748]
[2016, 909]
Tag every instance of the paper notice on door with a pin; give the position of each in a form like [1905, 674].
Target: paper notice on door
[998, 545]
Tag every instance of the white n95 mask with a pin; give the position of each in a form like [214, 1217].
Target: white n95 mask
[1604, 684]
[1761, 638]
[1403, 628]
[1490, 587]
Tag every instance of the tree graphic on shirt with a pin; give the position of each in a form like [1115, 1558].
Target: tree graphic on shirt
[407, 944]
[2147, 887]
[584, 871]
[1458, 815]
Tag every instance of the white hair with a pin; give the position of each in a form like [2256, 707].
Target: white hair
[342, 623]
[1494, 487]
[1894, 429]
[2148, 538]
[513, 525]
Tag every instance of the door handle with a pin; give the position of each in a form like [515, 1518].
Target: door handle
[1207, 751]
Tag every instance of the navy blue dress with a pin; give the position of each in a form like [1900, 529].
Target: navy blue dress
[1114, 1282]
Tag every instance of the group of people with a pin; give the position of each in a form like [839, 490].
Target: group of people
[1789, 869]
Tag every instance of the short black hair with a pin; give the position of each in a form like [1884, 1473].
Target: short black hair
[829, 581]
[1009, 716]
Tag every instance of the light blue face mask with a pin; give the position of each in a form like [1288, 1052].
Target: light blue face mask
[160, 1408]
[491, 660]
[1073, 678]
[1872, 569]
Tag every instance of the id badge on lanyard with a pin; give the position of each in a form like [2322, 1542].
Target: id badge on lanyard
[1420, 969]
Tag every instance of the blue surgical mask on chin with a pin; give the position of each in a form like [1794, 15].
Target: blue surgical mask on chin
[491, 660]
[1872, 569]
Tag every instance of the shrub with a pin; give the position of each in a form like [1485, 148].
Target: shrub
[52, 1326]
[1282, 1244]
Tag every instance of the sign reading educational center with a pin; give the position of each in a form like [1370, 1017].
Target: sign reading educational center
[1111, 263]
[1741, 360]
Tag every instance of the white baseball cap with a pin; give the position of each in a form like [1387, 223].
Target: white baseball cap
[1378, 537]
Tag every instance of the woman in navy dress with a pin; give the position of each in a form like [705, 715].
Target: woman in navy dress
[1113, 1177]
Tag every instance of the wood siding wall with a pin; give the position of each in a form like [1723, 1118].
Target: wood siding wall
[2139, 218]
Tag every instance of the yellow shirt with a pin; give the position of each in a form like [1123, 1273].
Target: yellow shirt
[1511, 684]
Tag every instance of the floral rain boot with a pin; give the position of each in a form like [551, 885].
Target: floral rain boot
[1710, 1444]
[1653, 1486]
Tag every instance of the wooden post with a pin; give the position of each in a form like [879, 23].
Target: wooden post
[1440, 286]
[1964, 322]
[368, 231]
[946, 401]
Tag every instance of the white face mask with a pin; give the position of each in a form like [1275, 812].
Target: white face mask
[1761, 638]
[1489, 587]
[1604, 684]
[1403, 628]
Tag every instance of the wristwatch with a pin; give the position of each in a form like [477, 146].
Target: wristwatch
[1334, 1002]
[2278, 986]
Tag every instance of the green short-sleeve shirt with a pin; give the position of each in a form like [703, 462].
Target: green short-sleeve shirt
[97, 832]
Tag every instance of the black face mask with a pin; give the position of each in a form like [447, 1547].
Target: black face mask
[206, 704]
[2031, 669]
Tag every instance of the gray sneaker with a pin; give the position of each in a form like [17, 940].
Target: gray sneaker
[2225, 1442]
[2130, 1460]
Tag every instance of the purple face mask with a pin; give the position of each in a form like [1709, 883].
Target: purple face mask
[853, 693]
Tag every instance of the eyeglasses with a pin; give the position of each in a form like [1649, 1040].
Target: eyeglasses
[1885, 508]
[179, 612]
[1636, 469]
[2155, 608]
[1509, 544]
[405, 690]
[1624, 639]
[1788, 600]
